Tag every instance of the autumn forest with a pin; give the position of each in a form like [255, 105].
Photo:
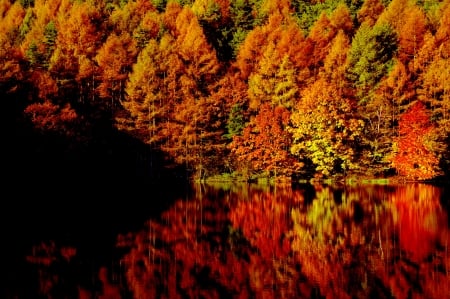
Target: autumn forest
[238, 88]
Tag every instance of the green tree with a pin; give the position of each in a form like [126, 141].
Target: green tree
[27, 23]
[26, 3]
[409, 22]
[370, 57]
[242, 22]
[33, 55]
[236, 121]
[50, 35]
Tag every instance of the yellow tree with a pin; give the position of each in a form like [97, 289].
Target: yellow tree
[326, 130]
[145, 98]
[10, 56]
[341, 19]
[435, 75]
[434, 78]
[12, 16]
[127, 18]
[274, 81]
[443, 31]
[169, 94]
[43, 13]
[148, 28]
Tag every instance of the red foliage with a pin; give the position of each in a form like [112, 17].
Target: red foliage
[50, 117]
[414, 158]
[265, 143]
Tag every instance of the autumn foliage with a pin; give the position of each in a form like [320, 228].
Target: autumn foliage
[273, 243]
[317, 88]
[415, 157]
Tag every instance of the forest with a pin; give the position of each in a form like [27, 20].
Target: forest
[231, 88]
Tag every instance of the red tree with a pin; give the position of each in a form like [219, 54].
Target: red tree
[414, 157]
[264, 144]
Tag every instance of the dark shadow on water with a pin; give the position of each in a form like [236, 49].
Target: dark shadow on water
[78, 194]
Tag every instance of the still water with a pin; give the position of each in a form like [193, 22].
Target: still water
[245, 241]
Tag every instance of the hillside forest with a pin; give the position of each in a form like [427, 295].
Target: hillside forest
[238, 88]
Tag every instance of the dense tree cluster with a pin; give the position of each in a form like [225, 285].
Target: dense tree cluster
[251, 87]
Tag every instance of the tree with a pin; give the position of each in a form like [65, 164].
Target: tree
[443, 31]
[49, 117]
[410, 24]
[437, 87]
[41, 28]
[279, 33]
[326, 130]
[12, 18]
[370, 11]
[145, 100]
[78, 39]
[414, 157]
[320, 37]
[250, 51]
[242, 22]
[435, 93]
[370, 57]
[127, 17]
[196, 72]
[263, 147]
[335, 63]
[381, 113]
[341, 19]
[115, 59]
[50, 35]
[150, 27]
[200, 58]
[273, 82]
[169, 96]
[11, 57]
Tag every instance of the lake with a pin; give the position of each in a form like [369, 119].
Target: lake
[231, 241]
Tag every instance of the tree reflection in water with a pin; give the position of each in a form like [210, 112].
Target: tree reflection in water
[369, 241]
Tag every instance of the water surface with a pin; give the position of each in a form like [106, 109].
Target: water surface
[247, 241]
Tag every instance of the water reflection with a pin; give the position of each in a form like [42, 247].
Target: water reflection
[319, 241]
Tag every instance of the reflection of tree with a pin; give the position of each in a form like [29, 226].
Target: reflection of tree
[271, 242]
[352, 243]
[60, 275]
[328, 240]
[184, 253]
[205, 247]
[263, 219]
[423, 258]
